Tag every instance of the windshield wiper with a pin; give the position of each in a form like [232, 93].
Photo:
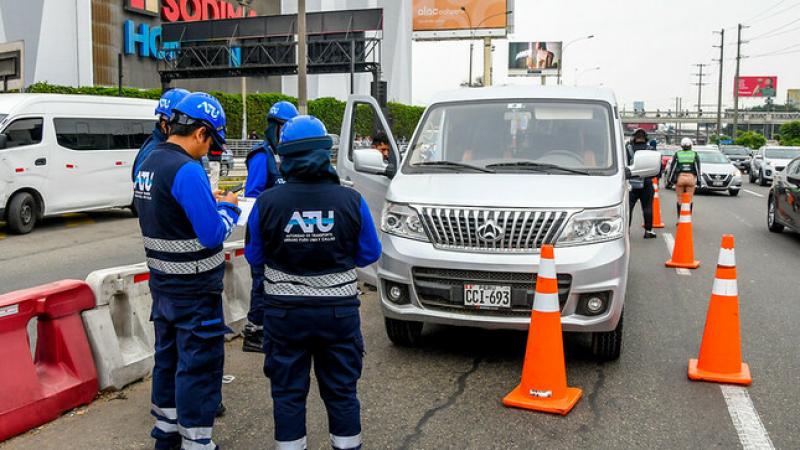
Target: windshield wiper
[539, 167]
[453, 165]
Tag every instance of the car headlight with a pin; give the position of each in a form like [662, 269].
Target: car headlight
[402, 220]
[593, 225]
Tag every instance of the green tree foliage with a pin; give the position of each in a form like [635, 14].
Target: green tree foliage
[715, 139]
[751, 139]
[402, 118]
[790, 133]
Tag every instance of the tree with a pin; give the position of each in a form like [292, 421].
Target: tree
[751, 139]
[715, 139]
[790, 133]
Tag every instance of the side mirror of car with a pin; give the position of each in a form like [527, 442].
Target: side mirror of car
[369, 161]
[3, 140]
[758, 157]
[646, 163]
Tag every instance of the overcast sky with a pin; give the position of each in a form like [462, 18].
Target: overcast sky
[645, 48]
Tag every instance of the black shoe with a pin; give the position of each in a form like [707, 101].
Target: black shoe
[253, 341]
[220, 410]
[649, 235]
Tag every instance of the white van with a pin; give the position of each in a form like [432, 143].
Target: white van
[490, 176]
[67, 153]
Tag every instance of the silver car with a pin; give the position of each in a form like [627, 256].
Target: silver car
[490, 176]
[718, 173]
[768, 160]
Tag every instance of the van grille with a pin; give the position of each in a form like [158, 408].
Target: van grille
[492, 230]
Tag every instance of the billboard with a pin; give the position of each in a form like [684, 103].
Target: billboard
[793, 97]
[459, 19]
[763, 86]
[534, 58]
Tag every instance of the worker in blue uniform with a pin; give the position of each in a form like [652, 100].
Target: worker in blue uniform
[262, 174]
[309, 235]
[163, 110]
[184, 227]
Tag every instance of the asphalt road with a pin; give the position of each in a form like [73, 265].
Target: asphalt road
[447, 393]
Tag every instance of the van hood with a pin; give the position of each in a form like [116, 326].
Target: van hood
[726, 168]
[780, 162]
[528, 190]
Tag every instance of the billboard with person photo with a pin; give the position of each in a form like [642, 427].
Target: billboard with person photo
[534, 58]
[765, 86]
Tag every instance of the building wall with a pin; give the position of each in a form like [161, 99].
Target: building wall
[56, 36]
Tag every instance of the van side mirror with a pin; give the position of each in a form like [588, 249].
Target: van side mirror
[370, 161]
[3, 140]
[646, 163]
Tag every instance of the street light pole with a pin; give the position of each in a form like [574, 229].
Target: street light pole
[244, 4]
[487, 44]
[302, 93]
[564, 48]
[471, 36]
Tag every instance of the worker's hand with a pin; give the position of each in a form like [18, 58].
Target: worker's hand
[217, 195]
[230, 197]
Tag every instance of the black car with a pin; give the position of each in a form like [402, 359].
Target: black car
[783, 210]
[739, 155]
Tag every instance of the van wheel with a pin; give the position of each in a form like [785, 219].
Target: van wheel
[761, 180]
[607, 345]
[22, 213]
[404, 333]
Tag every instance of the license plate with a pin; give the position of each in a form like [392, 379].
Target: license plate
[718, 183]
[487, 296]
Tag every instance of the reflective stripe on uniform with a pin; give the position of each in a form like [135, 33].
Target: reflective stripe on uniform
[299, 290]
[725, 288]
[195, 433]
[172, 245]
[166, 427]
[319, 281]
[297, 444]
[167, 413]
[546, 302]
[187, 267]
[345, 441]
[187, 444]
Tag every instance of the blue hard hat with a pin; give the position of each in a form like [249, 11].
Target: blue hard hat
[168, 101]
[302, 127]
[281, 112]
[204, 108]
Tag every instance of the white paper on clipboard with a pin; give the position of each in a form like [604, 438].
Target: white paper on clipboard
[246, 205]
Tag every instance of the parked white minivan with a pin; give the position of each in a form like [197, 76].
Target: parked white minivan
[490, 176]
[67, 153]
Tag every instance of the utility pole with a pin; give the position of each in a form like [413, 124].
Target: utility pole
[736, 81]
[719, 87]
[302, 59]
[677, 118]
[487, 61]
[699, 85]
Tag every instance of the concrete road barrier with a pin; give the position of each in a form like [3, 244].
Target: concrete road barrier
[119, 328]
[236, 295]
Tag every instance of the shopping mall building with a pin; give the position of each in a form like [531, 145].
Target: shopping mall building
[83, 42]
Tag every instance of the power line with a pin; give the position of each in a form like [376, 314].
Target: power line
[776, 31]
[774, 14]
[766, 10]
[774, 51]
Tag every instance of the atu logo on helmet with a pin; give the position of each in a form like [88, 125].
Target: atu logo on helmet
[210, 109]
[309, 220]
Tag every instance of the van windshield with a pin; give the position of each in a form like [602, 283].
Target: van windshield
[515, 136]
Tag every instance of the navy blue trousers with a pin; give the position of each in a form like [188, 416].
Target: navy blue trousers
[256, 313]
[331, 338]
[187, 377]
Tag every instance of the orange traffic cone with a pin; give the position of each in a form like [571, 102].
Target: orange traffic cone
[683, 251]
[544, 375]
[720, 357]
[657, 223]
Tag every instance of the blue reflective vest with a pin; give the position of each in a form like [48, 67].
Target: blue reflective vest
[183, 227]
[310, 237]
[262, 170]
[157, 137]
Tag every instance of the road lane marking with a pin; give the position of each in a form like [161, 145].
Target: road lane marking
[753, 193]
[670, 241]
[745, 418]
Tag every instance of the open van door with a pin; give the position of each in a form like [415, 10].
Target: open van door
[363, 167]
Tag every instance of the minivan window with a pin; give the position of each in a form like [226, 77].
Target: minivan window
[101, 134]
[23, 132]
[515, 136]
[782, 152]
[738, 151]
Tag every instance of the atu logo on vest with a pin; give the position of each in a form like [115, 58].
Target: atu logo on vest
[309, 220]
[144, 181]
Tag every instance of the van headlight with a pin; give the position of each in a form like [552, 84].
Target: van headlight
[402, 220]
[593, 225]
